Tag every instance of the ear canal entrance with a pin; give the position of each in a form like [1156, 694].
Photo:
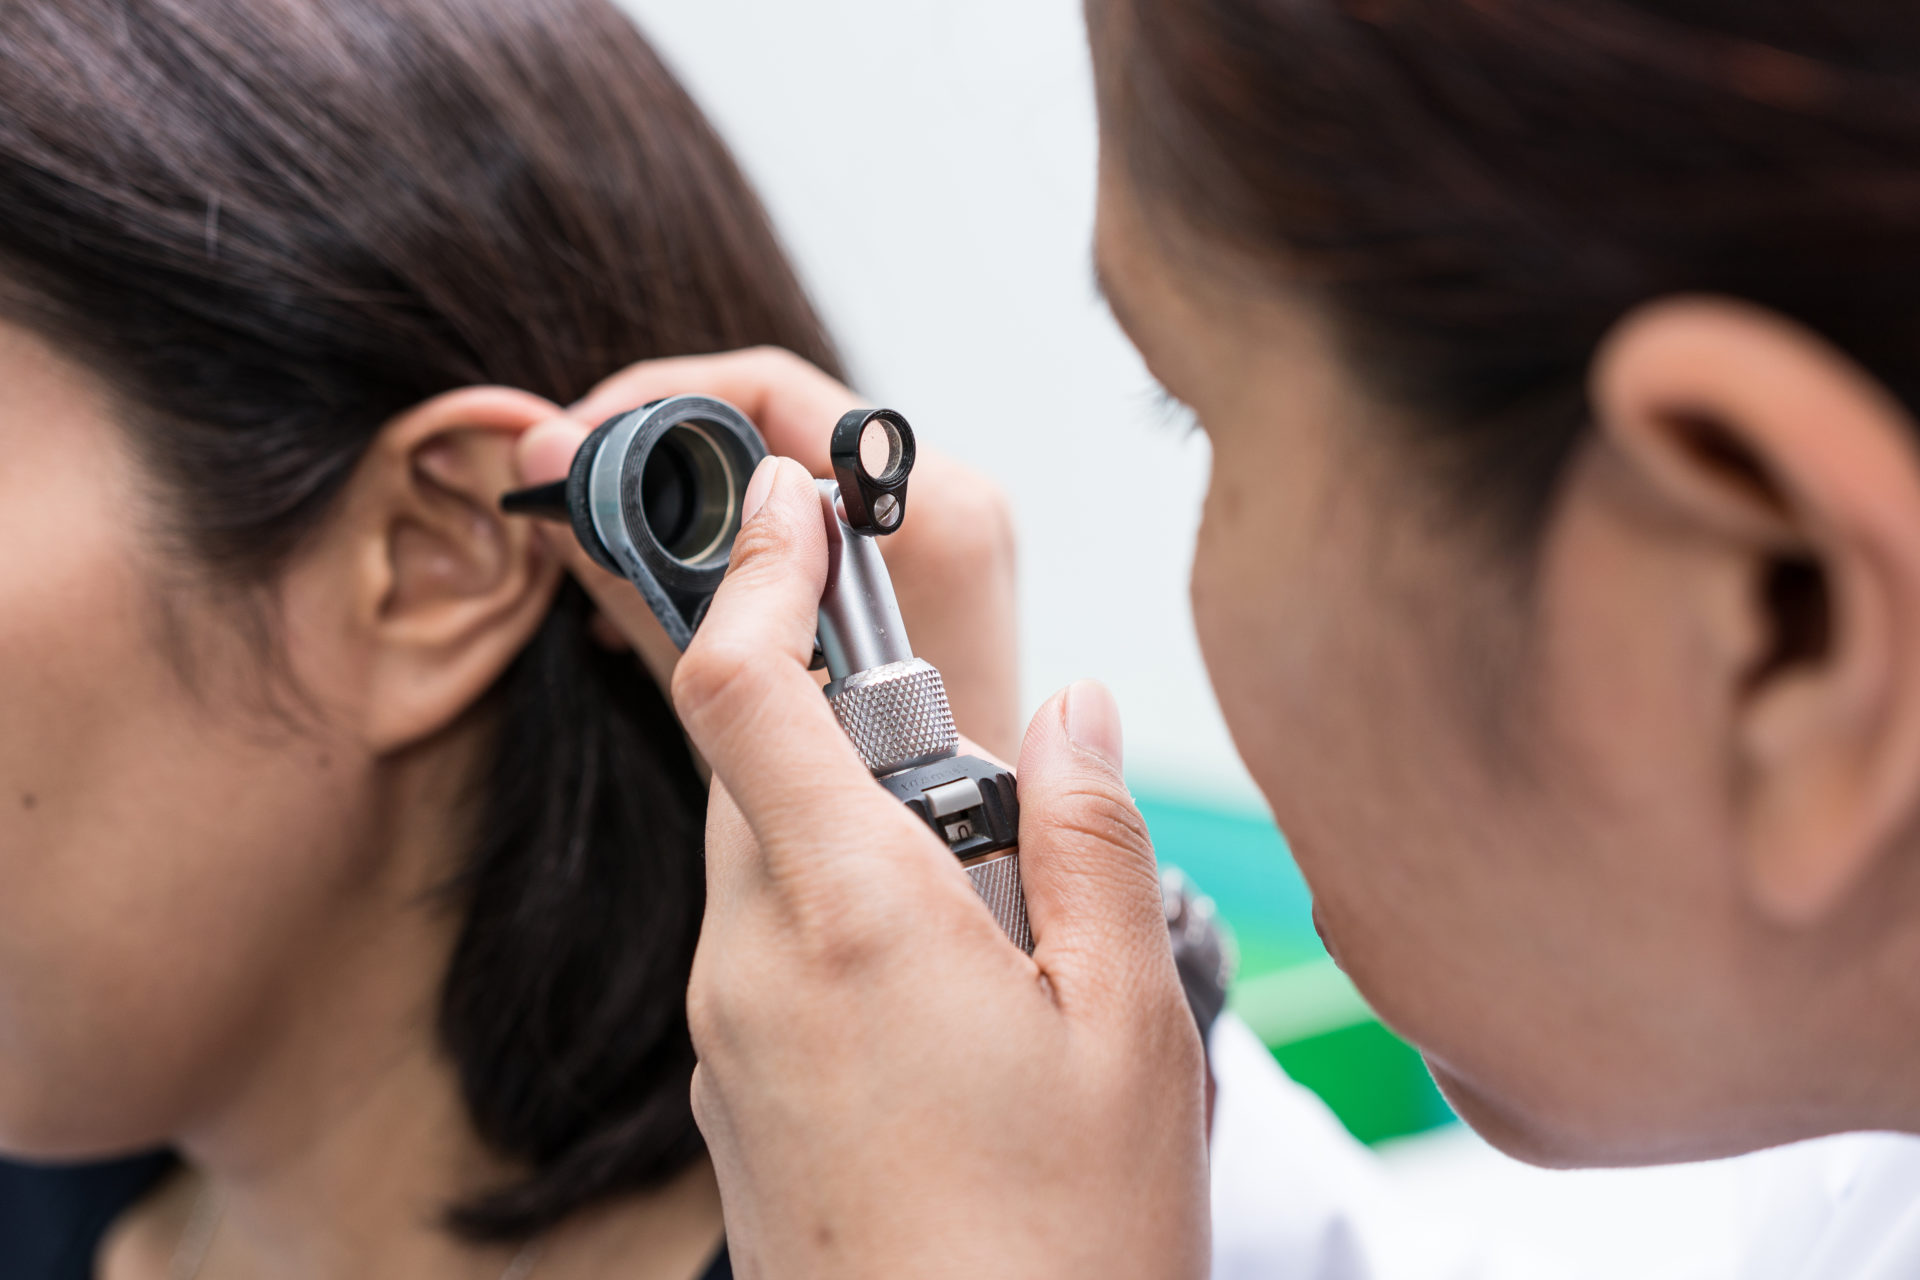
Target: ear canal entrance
[1799, 613]
[1793, 598]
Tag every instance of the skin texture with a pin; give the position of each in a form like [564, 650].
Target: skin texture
[219, 929]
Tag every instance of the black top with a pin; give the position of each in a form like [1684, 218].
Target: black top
[51, 1220]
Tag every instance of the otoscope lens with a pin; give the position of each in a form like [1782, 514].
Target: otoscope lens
[666, 492]
[690, 495]
[880, 449]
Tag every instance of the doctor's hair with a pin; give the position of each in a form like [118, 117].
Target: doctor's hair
[1473, 192]
[268, 227]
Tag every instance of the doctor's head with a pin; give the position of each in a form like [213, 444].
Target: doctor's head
[1560, 572]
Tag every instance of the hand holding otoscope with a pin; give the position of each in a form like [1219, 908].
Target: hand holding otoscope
[656, 496]
[885, 1086]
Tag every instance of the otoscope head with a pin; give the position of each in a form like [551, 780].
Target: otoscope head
[655, 496]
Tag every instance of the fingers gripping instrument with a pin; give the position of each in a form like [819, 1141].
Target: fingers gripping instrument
[892, 704]
[655, 496]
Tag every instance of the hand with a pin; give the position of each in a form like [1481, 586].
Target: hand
[952, 562]
[889, 1088]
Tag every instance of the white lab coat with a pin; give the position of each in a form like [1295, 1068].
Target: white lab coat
[1845, 1208]
[1296, 1198]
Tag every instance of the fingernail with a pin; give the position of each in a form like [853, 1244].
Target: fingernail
[1093, 720]
[759, 487]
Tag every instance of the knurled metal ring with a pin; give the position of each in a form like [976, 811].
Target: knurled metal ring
[897, 715]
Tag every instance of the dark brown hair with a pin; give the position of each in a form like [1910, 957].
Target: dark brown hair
[1477, 190]
[271, 226]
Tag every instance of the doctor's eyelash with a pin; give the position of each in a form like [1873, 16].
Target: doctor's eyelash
[1172, 413]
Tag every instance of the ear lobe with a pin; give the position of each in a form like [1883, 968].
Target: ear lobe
[453, 589]
[1743, 429]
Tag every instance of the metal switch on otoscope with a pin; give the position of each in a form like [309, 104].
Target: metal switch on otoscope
[655, 496]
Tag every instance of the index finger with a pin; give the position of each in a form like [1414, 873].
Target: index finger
[750, 705]
[792, 402]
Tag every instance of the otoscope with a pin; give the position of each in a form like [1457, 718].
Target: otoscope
[654, 495]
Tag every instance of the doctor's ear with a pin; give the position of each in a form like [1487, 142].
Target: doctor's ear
[440, 590]
[1781, 484]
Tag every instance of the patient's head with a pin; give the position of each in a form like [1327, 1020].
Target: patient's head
[298, 732]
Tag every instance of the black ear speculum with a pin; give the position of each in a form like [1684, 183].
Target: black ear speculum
[654, 495]
[873, 454]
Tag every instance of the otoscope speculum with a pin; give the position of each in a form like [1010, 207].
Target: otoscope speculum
[654, 495]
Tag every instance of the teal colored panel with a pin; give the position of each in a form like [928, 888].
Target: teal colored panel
[1374, 1081]
[1302, 1000]
[1289, 992]
[1241, 862]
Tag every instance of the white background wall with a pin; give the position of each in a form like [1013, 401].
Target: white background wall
[931, 167]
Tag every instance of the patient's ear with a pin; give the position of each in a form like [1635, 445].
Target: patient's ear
[1793, 480]
[445, 590]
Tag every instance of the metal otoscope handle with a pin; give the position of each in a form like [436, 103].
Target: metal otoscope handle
[892, 704]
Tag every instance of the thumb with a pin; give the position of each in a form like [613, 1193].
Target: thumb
[743, 690]
[1086, 860]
